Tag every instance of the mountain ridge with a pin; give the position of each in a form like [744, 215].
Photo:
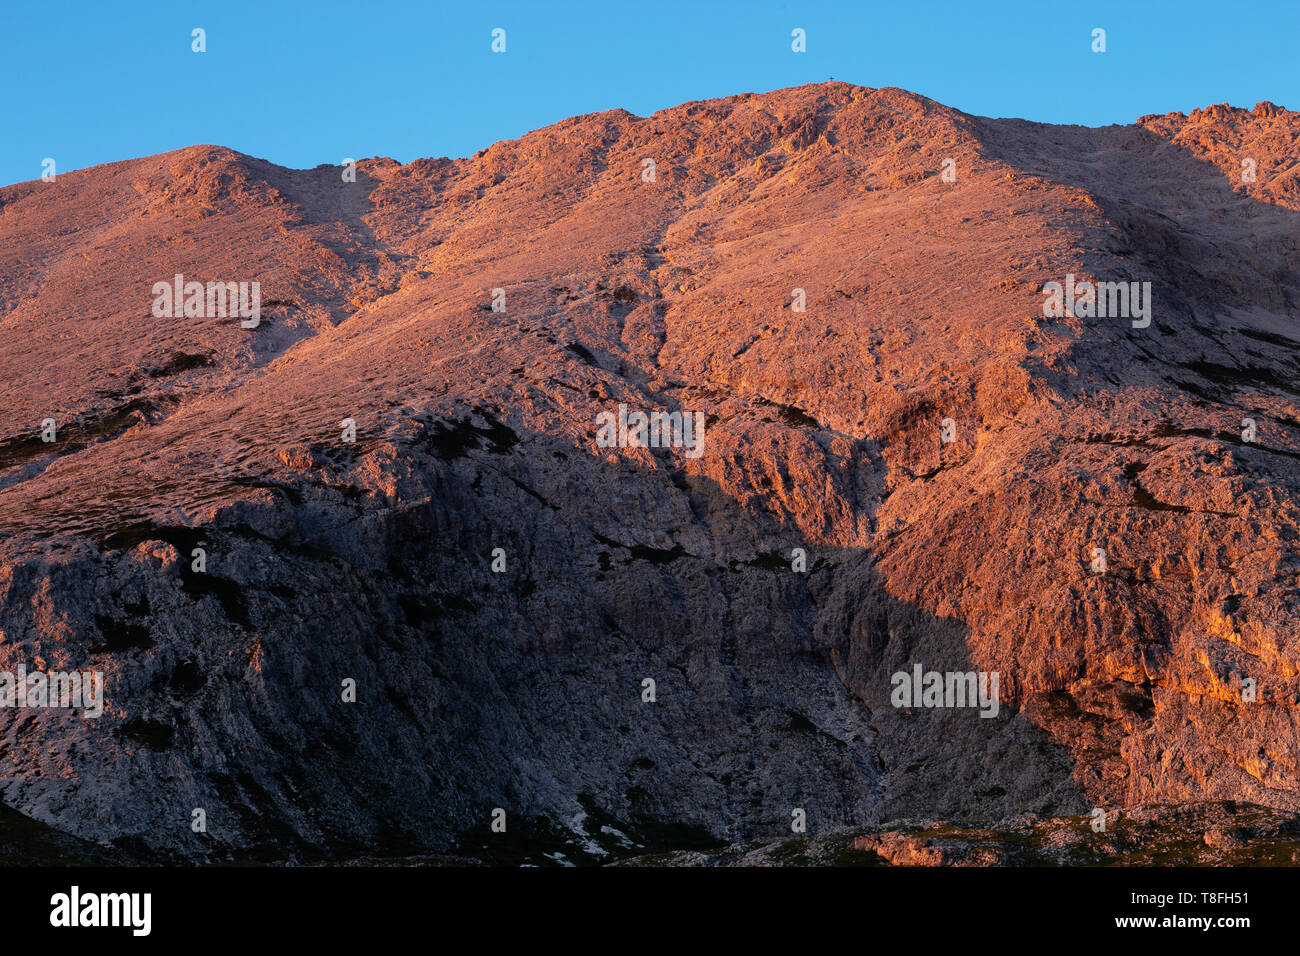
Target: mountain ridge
[475, 431]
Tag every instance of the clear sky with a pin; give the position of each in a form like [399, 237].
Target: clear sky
[310, 83]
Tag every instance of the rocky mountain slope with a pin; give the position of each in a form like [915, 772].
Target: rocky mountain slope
[1197, 834]
[474, 317]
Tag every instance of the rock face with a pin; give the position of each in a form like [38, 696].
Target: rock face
[797, 268]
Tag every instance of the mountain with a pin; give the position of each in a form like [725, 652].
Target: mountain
[900, 462]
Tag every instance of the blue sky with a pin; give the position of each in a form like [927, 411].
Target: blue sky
[304, 84]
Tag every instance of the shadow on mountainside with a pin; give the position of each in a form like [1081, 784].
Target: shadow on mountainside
[520, 690]
[1222, 261]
